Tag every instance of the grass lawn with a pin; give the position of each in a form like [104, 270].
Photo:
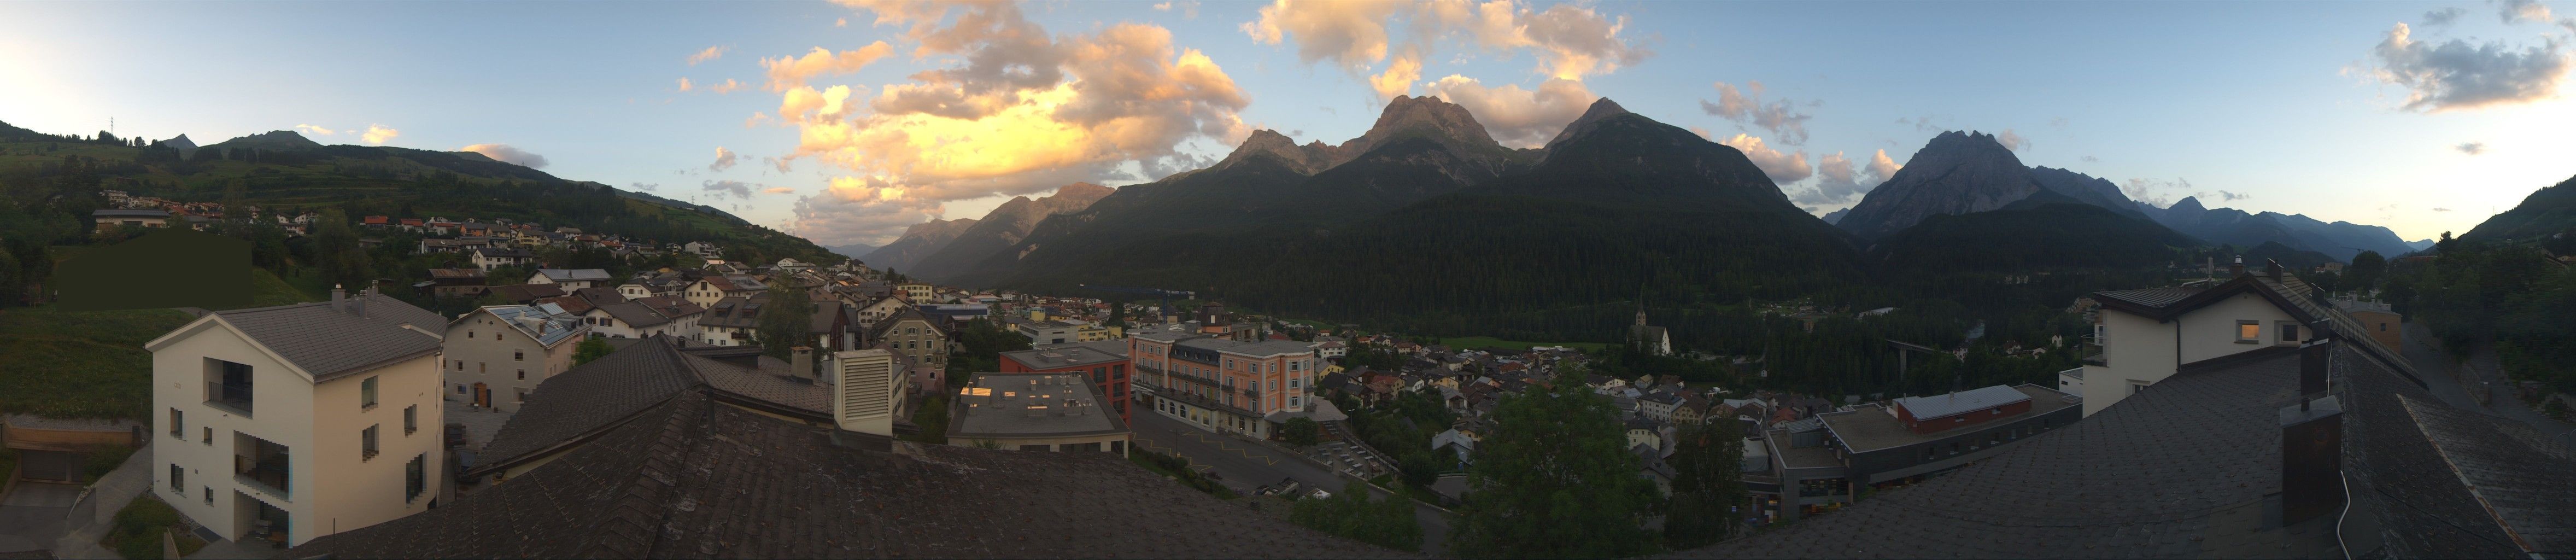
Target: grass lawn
[266, 289]
[97, 462]
[1491, 342]
[80, 364]
[139, 527]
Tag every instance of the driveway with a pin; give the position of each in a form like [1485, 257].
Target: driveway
[1243, 465]
[32, 516]
[2448, 378]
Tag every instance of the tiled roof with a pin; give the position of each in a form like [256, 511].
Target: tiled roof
[693, 478]
[590, 397]
[634, 314]
[735, 311]
[773, 382]
[2446, 483]
[553, 323]
[573, 274]
[327, 342]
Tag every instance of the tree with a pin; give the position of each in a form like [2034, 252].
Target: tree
[1554, 480]
[590, 349]
[335, 246]
[933, 419]
[1300, 432]
[1386, 522]
[1708, 485]
[2366, 270]
[787, 321]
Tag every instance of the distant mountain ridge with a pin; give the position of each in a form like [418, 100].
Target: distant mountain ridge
[918, 241]
[1004, 227]
[2337, 240]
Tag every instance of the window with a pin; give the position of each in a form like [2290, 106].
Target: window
[177, 428]
[2249, 332]
[411, 419]
[1294, 382]
[2289, 331]
[460, 387]
[210, 435]
[208, 492]
[367, 443]
[460, 366]
[416, 477]
[523, 375]
[178, 479]
[518, 355]
[469, 334]
[1292, 402]
[367, 393]
[523, 395]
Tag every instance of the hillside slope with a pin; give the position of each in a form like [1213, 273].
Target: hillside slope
[2548, 211]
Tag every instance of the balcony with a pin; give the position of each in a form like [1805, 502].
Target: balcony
[2092, 351]
[229, 397]
[262, 466]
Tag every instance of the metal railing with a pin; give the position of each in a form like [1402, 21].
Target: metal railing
[267, 473]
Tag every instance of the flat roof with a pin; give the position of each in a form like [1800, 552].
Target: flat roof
[1064, 355]
[1953, 404]
[1871, 427]
[1030, 405]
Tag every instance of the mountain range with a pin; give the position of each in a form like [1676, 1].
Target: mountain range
[2547, 212]
[2339, 240]
[999, 230]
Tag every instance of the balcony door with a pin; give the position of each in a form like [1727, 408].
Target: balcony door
[482, 395]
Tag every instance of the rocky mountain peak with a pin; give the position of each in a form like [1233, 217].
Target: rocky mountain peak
[2188, 204]
[1306, 159]
[1600, 110]
[1425, 115]
[1955, 173]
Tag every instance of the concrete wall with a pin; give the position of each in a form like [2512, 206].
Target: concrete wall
[348, 490]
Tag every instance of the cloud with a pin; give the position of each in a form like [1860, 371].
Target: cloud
[1840, 180]
[1881, 167]
[711, 53]
[1784, 168]
[506, 154]
[1514, 116]
[2091, 159]
[1780, 118]
[842, 22]
[2012, 140]
[1922, 124]
[789, 72]
[2514, 11]
[2441, 209]
[2458, 75]
[2154, 192]
[685, 85]
[1567, 41]
[2471, 148]
[779, 163]
[1019, 112]
[736, 188]
[724, 159]
[755, 119]
[2227, 196]
[1189, 8]
[1352, 35]
[316, 129]
[728, 86]
[779, 190]
[642, 186]
[2443, 16]
[378, 134]
[1399, 76]
[2057, 123]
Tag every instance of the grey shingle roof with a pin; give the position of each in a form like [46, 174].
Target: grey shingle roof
[590, 397]
[691, 478]
[2151, 297]
[327, 342]
[573, 274]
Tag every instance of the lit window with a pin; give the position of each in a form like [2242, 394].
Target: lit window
[2249, 332]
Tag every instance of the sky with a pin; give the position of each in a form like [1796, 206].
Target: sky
[846, 122]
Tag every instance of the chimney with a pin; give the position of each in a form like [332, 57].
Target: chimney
[339, 300]
[2272, 268]
[2312, 439]
[2238, 268]
[358, 305]
[804, 363]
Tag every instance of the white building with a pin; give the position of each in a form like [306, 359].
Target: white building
[498, 354]
[307, 419]
[571, 278]
[2146, 335]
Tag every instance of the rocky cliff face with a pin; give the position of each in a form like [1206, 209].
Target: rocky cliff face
[1956, 173]
[917, 242]
[1005, 226]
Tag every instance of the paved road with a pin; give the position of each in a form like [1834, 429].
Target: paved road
[1243, 465]
[2451, 381]
[31, 517]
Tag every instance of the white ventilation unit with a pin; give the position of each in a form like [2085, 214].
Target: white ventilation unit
[867, 384]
